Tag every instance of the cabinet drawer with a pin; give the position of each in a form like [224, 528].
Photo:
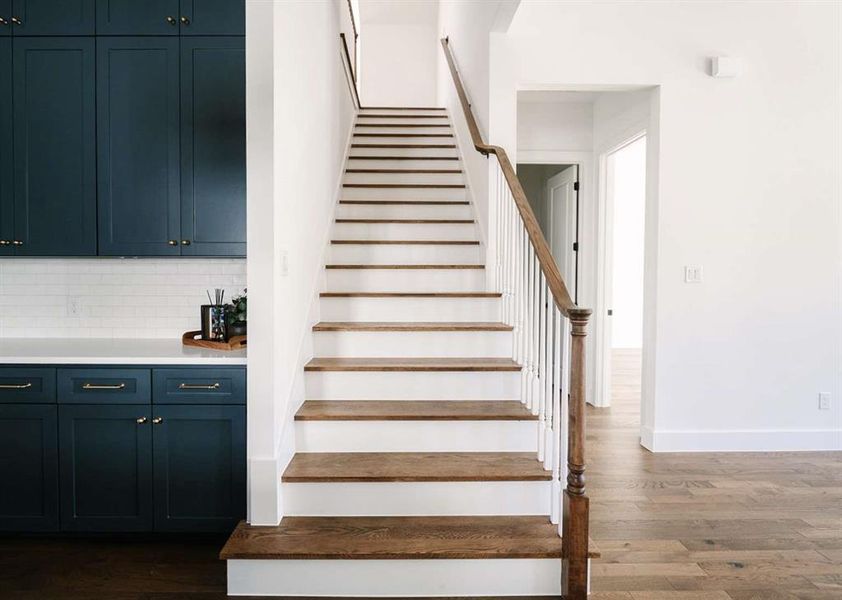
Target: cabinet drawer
[112, 386]
[212, 385]
[24, 384]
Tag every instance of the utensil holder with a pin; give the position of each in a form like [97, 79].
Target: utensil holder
[213, 322]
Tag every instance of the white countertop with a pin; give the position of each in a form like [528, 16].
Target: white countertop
[120, 351]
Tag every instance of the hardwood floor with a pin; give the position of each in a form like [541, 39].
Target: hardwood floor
[669, 526]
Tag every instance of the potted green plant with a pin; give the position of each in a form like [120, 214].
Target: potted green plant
[236, 314]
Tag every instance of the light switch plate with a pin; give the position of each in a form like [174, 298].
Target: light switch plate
[692, 274]
[824, 401]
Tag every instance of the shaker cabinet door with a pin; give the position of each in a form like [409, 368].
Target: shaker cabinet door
[213, 146]
[200, 467]
[137, 17]
[106, 467]
[54, 137]
[28, 468]
[5, 18]
[7, 198]
[213, 17]
[53, 17]
[138, 146]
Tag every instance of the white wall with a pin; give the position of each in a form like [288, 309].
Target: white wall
[553, 124]
[740, 358]
[627, 195]
[116, 298]
[297, 135]
[398, 51]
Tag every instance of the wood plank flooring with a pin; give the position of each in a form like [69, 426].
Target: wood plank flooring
[669, 526]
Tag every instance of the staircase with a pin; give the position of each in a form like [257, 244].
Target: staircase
[416, 470]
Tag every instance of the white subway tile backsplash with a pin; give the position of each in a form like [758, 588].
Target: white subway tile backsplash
[117, 297]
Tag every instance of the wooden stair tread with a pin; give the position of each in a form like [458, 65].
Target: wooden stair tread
[411, 294]
[320, 467]
[463, 537]
[407, 202]
[402, 135]
[413, 410]
[403, 108]
[403, 157]
[381, 116]
[410, 221]
[411, 364]
[437, 171]
[403, 145]
[408, 242]
[405, 186]
[409, 326]
[402, 124]
[398, 267]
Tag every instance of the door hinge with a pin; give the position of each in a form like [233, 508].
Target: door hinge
[576, 186]
[575, 246]
[610, 312]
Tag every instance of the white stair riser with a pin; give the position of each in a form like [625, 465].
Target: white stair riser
[371, 163]
[357, 151]
[404, 231]
[436, 119]
[393, 578]
[356, 254]
[395, 499]
[412, 385]
[404, 211]
[409, 309]
[433, 178]
[368, 128]
[412, 344]
[415, 193]
[417, 436]
[405, 280]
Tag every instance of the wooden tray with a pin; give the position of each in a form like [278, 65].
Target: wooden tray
[193, 338]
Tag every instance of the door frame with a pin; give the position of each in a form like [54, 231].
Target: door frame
[604, 274]
[551, 226]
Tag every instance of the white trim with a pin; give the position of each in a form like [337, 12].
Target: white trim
[745, 440]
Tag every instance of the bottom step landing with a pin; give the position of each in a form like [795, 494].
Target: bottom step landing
[396, 556]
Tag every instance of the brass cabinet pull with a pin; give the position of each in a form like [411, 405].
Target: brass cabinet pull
[16, 386]
[173, 242]
[185, 242]
[157, 420]
[185, 21]
[16, 21]
[3, 21]
[196, 386]
[171, 20]
[140, 420]
[5, 243]
[103, 386]
[17, 243]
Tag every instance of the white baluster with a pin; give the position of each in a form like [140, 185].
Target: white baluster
[559, 418]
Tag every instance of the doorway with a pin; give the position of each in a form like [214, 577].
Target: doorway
[623, 175]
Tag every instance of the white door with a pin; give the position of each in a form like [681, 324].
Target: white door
[562, 214]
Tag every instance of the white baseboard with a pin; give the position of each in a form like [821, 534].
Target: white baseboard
[750, 440]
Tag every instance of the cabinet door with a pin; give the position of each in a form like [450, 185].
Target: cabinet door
[49, 17]
[138, 153]
[54, 136]
[133, 17]
[105, 455]
[200, 467]
[213, 146]
[28, 468]
[5, 17]
[213, 17]
[7, 202]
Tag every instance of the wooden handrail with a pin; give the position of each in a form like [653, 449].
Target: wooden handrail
[353, 80]
[542, 249]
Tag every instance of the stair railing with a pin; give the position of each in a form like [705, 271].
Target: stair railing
[549, 331]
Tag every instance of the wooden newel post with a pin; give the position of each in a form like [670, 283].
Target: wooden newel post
[574, 553]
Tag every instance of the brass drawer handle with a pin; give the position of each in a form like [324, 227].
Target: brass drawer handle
[193, 386]
[157, 420]
[103, 386]
[140, 420]
[15, 386]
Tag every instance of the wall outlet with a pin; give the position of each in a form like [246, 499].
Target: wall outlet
[74, 306]
[824, 401]
[692, 274]
[284, 263]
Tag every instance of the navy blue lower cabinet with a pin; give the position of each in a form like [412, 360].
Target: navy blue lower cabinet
[28, 468]
[7, 199]
[106, 467]
[54, 146]
[213, 146]
[200, 467]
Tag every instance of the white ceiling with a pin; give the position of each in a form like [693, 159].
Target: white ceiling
[399, 12]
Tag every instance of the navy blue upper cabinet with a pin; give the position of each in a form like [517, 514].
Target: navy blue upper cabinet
[53, 17]
[213, 146]
[213, 17]
[7, 206]
[28, 468]
[137, 17]
[5, 17]
[106, 467]
[200, 467]
[138, 146]
[54, 138]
